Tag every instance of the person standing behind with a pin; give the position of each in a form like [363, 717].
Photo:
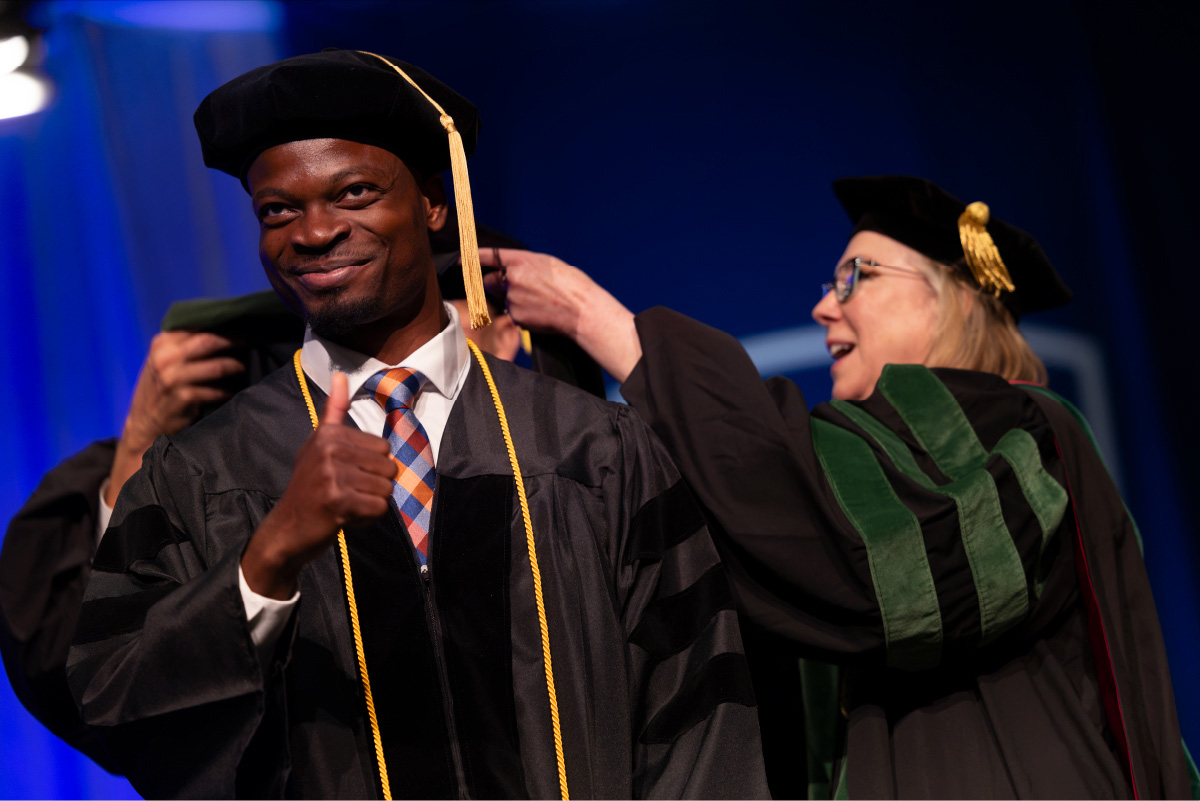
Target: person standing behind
[949, 536]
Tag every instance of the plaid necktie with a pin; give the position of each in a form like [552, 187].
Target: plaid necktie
[413, 492]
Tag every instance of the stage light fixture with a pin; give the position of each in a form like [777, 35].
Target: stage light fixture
[24, 87]
[21, 94]
[14, 51]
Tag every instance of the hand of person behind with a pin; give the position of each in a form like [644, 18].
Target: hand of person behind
[546, 295]
[342, 476]
[176, 381]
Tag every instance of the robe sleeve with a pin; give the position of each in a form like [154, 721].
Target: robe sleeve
[695, 723]
[44, 568]
[796, 543]
[163, 666]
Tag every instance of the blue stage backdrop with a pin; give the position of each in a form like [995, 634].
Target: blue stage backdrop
[680, 152]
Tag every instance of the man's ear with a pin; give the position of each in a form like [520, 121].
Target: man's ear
[506, 337]
[434, 193]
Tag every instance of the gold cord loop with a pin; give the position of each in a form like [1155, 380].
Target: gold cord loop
[468, 240]
[982, 256]
[352, 604]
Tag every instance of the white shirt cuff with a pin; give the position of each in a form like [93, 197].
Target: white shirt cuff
[267, 617]
[105, 513]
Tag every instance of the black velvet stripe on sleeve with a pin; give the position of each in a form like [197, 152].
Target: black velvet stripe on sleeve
[1019, 516]
[878, 407]
[665, 520]
[671, 624]
[141, 535]
[724, 679]
[958, 601]
[108, 617]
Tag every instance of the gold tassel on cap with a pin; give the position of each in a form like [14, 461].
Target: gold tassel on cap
[468, 241]
[982, 256]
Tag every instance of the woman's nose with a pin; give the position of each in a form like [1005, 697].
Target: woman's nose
[827, 309]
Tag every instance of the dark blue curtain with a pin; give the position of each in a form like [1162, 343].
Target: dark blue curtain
[106, 215]
[681, 152]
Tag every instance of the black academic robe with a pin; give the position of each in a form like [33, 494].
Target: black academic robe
[651, 681]
[44, 567]
[994, 622]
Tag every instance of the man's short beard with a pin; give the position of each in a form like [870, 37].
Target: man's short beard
[339, 317]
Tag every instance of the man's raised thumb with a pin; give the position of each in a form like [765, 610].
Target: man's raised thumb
[338, 401]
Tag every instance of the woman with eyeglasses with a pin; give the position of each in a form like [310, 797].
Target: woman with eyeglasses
[943, 531]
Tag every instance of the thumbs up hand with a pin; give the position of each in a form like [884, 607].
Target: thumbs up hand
[341, 477]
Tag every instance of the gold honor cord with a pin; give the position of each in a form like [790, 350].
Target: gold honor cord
[350, 602]
[468, 240]
[533, 564]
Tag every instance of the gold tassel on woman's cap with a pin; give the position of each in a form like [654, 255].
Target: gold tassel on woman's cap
[468, 242]
[982, 256]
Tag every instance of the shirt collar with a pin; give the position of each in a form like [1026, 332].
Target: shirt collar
[443, 360]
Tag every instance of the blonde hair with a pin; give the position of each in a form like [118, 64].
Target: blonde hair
[976, 332]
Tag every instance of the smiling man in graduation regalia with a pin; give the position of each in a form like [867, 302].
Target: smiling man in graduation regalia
[509, 594]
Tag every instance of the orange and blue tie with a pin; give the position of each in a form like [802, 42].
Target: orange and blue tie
[413, 490]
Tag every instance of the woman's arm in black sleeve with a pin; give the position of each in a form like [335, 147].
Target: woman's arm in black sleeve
[745, 448]
[855, 532]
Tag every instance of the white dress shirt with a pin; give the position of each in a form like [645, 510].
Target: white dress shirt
[444, 360]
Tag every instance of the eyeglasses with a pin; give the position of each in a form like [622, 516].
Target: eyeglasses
[845, 277]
